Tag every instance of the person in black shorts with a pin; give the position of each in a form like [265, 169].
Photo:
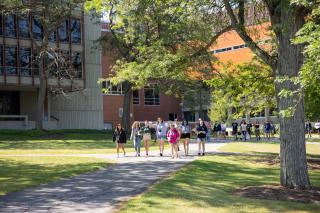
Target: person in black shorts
[120, 137]
[201, 136]
[185, 136]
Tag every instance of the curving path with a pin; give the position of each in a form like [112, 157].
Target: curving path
[100, 191]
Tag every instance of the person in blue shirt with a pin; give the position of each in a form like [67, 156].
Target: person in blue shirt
[201, 136]
[162, 129]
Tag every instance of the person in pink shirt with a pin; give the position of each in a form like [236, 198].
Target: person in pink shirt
[173, 135]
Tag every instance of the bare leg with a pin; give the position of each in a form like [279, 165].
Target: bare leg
[161, 145]
[172, 154]
[175, 146]
[203, 147]
[145, 142]
[185, 147]
[122, 146]
[117, 149]
[199, 146]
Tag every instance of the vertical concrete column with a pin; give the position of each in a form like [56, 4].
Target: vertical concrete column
[267, 113]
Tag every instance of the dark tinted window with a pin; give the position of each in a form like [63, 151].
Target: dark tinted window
[11, 60]
[77, 64]
[135, 97]
[9, 103]
[23, 24]
[151, 95]
[75, 31]
[63, 32]
[36, 62]
[10, 26]
[25, 61]
[1, 59]
[1, 27]
[37, 29]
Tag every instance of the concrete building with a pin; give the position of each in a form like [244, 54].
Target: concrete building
[82, 105]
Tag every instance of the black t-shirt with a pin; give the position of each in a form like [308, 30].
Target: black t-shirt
[234, 127]
[203, 131]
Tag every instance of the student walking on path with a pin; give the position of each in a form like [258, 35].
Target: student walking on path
[257, 130]
[309, 129]
[201, 136]
[173, 136]
[161, 129]
[185, 136]
[243, 127]
[120, 137]
[146, 136]
[136, 136]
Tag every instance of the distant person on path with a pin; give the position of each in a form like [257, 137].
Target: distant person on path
[146, 136]
[161, 129]
[177, 126]
[317, 126]
[257, 130]
[136, 137]
[235, 130]
[120, 137]
[243, 127]
[309, 129]
[272, 129]
[185, 136]
[249, 129]
[201, 136]
[173, 136]
[223, 130]
[267, 127]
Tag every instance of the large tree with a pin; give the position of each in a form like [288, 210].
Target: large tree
[160, 42]
[286, 19]
[50, 14]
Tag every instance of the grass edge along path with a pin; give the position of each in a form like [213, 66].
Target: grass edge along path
[207, 185]
[18, 173]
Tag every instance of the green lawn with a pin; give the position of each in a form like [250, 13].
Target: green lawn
[17, 173]
[60, 142]
[264, 147]
[206, 185]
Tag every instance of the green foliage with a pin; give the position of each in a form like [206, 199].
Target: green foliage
[310, 72]
[249, 86]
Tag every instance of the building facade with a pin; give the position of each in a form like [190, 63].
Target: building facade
[81, 106]
[148, 103]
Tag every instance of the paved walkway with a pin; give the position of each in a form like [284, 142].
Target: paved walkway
[100, 191]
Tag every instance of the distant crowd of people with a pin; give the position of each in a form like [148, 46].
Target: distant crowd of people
[172, 132]
[175, 132]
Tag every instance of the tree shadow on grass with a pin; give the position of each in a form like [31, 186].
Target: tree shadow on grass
[211, 183]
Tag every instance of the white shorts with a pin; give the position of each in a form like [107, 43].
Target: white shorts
[147, 136]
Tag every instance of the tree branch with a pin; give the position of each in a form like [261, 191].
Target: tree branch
[240, 28]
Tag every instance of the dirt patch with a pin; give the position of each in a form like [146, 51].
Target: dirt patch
[270, 192]
[313, 164]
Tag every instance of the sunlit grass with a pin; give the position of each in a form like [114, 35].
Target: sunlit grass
[17, 173]
[206, 185]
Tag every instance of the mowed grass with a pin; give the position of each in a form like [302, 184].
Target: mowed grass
[17, 173]
[60, 142]
[207, 185]
[264, 147]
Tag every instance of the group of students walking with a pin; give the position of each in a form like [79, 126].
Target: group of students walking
[173, 133]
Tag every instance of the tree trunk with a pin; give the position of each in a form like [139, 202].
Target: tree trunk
[294, 171]
[125, 122]
[266, 114]
[41, 98]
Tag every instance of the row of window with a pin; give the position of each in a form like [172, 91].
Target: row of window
[226, 49]
[21, 61]
[151, 93]
[12, 26]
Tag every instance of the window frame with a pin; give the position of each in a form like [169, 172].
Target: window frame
[155, 100]
[106, 84]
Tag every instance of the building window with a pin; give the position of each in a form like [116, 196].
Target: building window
[1, 59]
[9, 103]
[36, 62]
[37, 29]
[25, 61]
[75, 31]
[1, 26]
[53, 36]
[151, 96]
[110, 89]
[63, 32]
[11, 60]
[10, 26]
[135, 97]
[77, 64]
[23, 25]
